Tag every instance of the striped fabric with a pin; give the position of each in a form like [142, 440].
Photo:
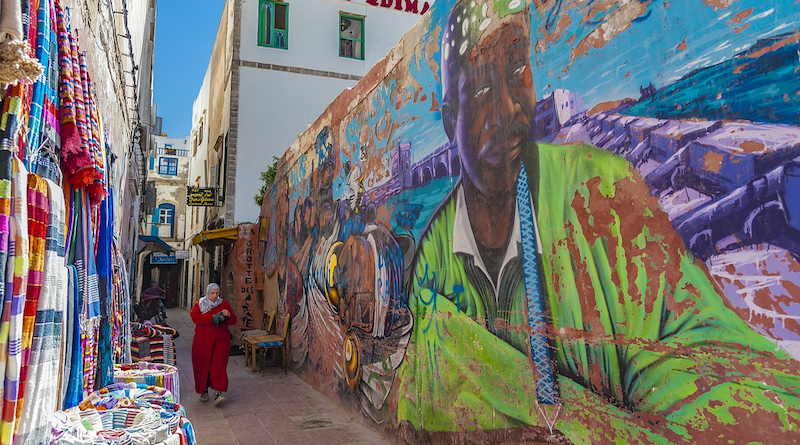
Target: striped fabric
[29, 18]
[97, 190]
[70, 137]
[42, 83]
[12, 115]
[105, 366]
[73, 366]
[14, 299]
[43, 368]
[77, 163]
[121, 310]
[38, 219]
[90, 334]
[5, 214]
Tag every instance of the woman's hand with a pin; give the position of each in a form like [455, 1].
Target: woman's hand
[226, 313]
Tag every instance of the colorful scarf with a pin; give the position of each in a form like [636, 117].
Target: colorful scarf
[70, 137]
[30, 20]
[38, 219]
[97, 189]
[43, 368]
[40, 120]
[121, 310]
[105, 369]
[12, 115]
[14, 299]
[5, 215]
[73, 364]
[78, 164]
[84, 260]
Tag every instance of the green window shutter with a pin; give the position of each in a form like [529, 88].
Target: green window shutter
[273, 24]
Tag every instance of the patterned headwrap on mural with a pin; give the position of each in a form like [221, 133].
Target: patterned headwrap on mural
[324, 147]
[469, 22]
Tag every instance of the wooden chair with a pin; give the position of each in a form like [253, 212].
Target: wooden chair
[276, 342]
[251, 339]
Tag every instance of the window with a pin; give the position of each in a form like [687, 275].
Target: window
[273, 24]
[165, 218]
[168, 166]
[351, 36]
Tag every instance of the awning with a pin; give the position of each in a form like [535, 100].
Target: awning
[216, 237]
[158, 243]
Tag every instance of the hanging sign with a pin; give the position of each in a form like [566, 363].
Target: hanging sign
[163, 258]
[204, 197]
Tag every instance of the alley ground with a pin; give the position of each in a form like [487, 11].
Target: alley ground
[269, 409]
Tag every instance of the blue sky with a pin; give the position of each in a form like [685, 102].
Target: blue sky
[184, 37]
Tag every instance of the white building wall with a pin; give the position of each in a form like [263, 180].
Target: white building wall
[275, 106]
[314, 35]
[170, 189]
[270, 120]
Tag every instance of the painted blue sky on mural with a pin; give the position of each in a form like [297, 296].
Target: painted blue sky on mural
[661, 47]
[652, 51]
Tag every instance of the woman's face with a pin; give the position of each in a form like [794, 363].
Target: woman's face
[213, 294]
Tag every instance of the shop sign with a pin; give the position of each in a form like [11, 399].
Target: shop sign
[204, 197]
[163, 258]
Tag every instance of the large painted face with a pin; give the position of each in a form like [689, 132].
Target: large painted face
[491, 119]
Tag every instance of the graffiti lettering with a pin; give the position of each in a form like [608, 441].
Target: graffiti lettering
[410, 6]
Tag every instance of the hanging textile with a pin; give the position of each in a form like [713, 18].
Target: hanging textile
[70, 137]
[45, 357]
[38, 219]
[73, 366]
[42, 110]
[30, 11]
[87, 280]
[12, 112]
[78, 164]
[105, 369]
[5, 215]
[14, 299]
[97, 189]
[121, 311]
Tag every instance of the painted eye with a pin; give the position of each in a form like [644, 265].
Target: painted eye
[519, 71]
[352, 360]
[482, 91]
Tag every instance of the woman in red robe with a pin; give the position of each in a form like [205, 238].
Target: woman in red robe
[212, 344]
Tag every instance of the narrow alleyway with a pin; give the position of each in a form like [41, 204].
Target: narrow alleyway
[265, 409]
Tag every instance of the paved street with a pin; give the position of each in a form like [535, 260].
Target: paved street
[264, 409]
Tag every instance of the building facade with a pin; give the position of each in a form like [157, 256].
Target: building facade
[274, 67]
[163, 229]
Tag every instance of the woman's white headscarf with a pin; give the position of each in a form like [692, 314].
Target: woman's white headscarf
[206, 304]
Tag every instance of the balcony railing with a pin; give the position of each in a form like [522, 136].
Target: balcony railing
[173, 151]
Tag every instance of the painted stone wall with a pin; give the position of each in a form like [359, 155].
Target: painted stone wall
[560, 221]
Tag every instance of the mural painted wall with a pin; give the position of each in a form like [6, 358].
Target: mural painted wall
[566, 221]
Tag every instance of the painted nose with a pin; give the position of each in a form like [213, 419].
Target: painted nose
[505, 107]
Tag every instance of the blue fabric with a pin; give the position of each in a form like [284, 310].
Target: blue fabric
[270, 344]
[105, 365]
[75, 362]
